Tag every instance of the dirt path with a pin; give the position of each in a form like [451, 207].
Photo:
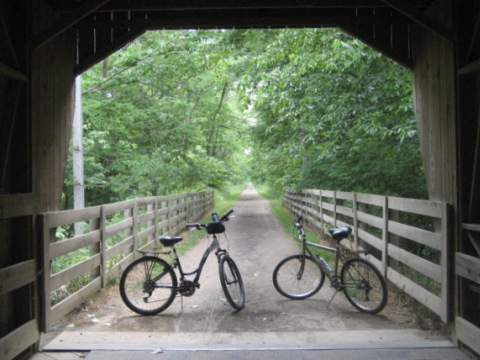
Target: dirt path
[257, 243]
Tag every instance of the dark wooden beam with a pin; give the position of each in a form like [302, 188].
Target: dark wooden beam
[67, 22]
[8, 117]
[180, 5]
[8, 72]
[402, 57]
[421, 19]
[119, 42]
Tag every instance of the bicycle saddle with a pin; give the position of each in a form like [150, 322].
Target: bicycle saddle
[169, 241]
[340, 233]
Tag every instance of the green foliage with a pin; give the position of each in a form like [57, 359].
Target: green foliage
[176, 111]
[161, 117]
[333, 114]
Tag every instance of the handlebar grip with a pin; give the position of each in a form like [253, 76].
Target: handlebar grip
[195, 225]
[225, 217]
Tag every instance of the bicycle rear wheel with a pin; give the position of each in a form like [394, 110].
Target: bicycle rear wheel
[298, 277]
[364, 286]
[147, 285]
[232, 283]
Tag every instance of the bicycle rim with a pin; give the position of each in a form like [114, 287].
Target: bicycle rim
[298, 277]
[147, 285]
[364, 286]
[232, 283]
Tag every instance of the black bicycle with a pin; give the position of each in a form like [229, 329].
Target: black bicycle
[302, 275]
[149, 284]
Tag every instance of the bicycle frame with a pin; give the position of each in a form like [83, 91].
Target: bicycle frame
[214, 245]
[305, 249]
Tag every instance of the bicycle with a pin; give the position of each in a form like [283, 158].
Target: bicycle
[149, 284]
[302, 275]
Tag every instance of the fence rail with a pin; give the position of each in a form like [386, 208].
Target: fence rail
[406, 238]
[110, 236]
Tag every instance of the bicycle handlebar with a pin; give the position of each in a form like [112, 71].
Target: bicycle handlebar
[215, 218]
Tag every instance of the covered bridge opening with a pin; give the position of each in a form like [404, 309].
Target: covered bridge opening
[46, 43]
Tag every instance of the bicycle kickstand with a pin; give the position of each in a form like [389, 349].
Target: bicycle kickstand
[326, 308]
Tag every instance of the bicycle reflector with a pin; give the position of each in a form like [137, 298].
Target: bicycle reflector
[215, 227]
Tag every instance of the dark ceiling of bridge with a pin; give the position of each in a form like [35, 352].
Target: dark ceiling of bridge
[103, 26]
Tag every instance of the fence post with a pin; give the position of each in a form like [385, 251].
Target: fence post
[94, 224]
[355, 221]
[334, 209]
[155, 218]
[320, 205]
[385, 236]
[46, 235]
[103, 247]
[445, 264]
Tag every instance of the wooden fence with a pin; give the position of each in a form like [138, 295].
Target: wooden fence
[406, 238]
[111, 235]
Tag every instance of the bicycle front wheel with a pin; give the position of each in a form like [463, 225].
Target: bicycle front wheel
[298, 277]
[232, 283]
[148, 285]
[364, 286]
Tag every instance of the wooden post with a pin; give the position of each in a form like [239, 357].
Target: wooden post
[355, 221]
[335, 209]
[385, 237]
[446, 265]
[103, 245]
[95, 248]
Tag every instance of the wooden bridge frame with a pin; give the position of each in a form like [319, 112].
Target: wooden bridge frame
[44, 44]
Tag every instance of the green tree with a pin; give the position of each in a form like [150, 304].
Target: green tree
[333, 114]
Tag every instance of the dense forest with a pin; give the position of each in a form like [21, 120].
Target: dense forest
[178, 111]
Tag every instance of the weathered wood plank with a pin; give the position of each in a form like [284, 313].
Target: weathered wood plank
[414, 206]
[434, 240]
[328, 193]
[425, 267]
[55, 219]
[124, 245]
[117, 227]
[146, 232]
[117, 207]
[342, 195]
[425, 297]
[68, 245]
[370, 219]
[14, 343]
[370, 239]
[344, 210]
[16, 276]
[369, 199]
[70, 303]
[73, 272]
[468, 267]
[145, 217]
[468, 333]
[14, 205]
[327, 206]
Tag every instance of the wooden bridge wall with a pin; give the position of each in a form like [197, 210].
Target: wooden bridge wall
[34, 175]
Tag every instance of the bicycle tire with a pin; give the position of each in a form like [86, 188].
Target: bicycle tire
[364, 285]
[294, 283]
[140, 293]
[232, 283]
